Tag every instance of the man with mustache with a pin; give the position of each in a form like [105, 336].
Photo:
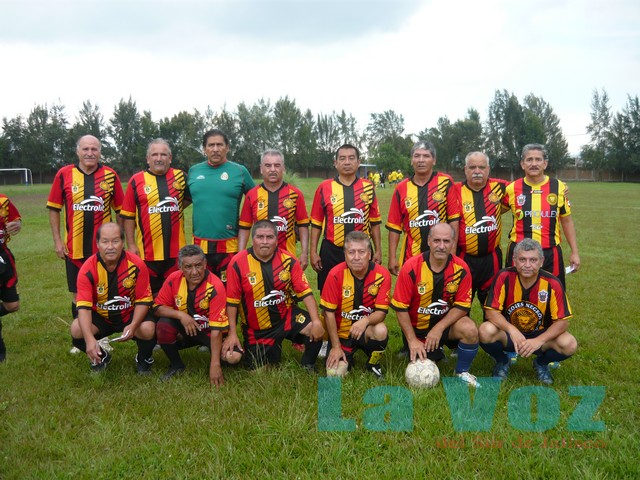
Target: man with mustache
[432, 299]
[480, 202]
[540, 206]
[154, 203]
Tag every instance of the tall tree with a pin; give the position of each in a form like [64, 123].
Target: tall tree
[384, 127]
[184, 133]
[287, 119]
[505, 132]
[125, 128]
[328, 138]
[624, 140]
[594, 154]
[542, 125]
[255, 133]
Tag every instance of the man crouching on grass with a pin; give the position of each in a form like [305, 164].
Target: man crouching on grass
[114, 295]
[264, 283]
[527, 312]
[191, 310]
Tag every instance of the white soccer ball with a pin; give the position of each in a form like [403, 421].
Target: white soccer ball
[340, 371]
[422, 373]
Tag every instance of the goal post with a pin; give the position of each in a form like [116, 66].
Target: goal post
[24, 174]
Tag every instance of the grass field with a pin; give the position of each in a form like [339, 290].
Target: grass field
[59, 421]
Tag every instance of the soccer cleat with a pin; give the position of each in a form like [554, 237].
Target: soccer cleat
[554, 365]
[469, 379]
[172, 372]
[375, 370]
[204, 349]
[501, 370]
[310, 368]
[543, 373]
[100, 366]
[298, 346]
[513, 357]
[323, 350]
[453, 353]
[143, 367]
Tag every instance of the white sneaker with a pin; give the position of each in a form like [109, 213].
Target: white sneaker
[74, 350]
[323, 350]
[469, 379]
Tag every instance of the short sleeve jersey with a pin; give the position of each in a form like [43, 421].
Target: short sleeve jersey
[87, 200]
[265, 292]
[537, 210]
[156, 202]
[351, 298]
[480, 228]
[114, 295]
[529, 310]
[427, 295]
[285, 207]
[217, 193]
[8, 213]
[206, 303]
[343, 209]
[415, 209]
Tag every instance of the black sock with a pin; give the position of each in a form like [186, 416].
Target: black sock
[551, 356]
[375, 349]
[311, 351]
[145, 349]
[74, 310]
[79, 343]
[496, 350]
[3, 310]
[172, 351]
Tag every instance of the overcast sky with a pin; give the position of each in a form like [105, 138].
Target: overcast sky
[421, 58]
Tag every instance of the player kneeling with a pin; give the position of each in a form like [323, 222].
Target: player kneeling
[527, 312]
[191, 311]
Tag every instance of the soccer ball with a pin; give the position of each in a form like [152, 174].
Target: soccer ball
[422, 373]
[340, 371]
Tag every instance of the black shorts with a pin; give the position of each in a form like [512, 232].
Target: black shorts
[170, 330]
[330, 256]
[438, 354]
[350, 346]
[105, 328]
[8, 277]
[553, 261]
[511, 348]
[159, 271]
[267, 350]
[483, 271]
[73, 268]
[218, 263]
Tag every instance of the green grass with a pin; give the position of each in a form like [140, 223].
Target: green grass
[59, 421]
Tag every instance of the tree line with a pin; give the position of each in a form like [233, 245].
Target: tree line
[45, 139]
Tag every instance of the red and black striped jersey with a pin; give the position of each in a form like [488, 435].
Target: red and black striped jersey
[265, 292]
[529, 310]
[480, 228]
[206, 303]
[114, 295]
[156, 202]
[285, 207]
[415, 209]
[8, 213]
[87, 200]
[537, 210]
[343, 209]
[351, 298]
[427, 295]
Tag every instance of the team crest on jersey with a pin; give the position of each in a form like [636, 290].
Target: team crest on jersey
[493, 197]
[407, 203]
[438, 197]
[224, 176]
[451, 287]
[543, 296]
[128, 282]
[252, 277]
[333, 199]
[223, 276]
[468, 207]
[177, 301]
[147, 189]
[373, 290]
[4, 212]
[422, 288]
[300, 318]
[178, 185]
[520, 200]
[260, 203]
[100, 288]
[104, 185]
[347, 291]
[288, 203]
[304, 279]
[204, 304]
[552, 198]
[284, 275]
[75, 188]
[365, 197]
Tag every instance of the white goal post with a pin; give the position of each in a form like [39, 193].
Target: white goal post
[28, 178]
